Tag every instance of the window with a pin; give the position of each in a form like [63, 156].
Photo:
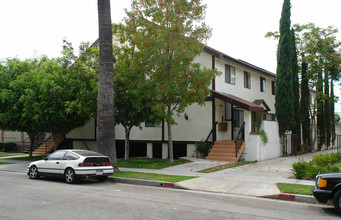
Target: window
[273, 87]
[230, 74]
[262, 84]
[71, 156]
[247, 80]
[269, 117]
[58, 155]
[228, 111]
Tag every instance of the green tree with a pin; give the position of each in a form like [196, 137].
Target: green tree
[105, 107]
[297, 119]
[133, 91]
[44, 96]
[171, 34]
[284, 100]
[305, 108]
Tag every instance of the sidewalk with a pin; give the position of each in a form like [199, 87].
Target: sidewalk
[257, 179]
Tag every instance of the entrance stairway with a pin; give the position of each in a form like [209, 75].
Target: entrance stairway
[225, 151]
[45, 147]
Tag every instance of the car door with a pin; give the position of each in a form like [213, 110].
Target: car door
[52, 163]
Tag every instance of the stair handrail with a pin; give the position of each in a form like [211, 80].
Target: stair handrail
[34, 140]
[241, 131]
[209, 135]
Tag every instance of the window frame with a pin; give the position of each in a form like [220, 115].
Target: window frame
[273, 87]
[230, 74]
[262, 81]
[247, 80]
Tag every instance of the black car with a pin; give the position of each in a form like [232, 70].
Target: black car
[328, 187]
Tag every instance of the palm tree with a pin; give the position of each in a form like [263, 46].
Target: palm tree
[105, 108]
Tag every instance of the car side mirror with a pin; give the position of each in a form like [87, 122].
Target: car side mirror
[44, 158]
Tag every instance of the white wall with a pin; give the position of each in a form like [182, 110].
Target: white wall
[256, 150]
[239, 90]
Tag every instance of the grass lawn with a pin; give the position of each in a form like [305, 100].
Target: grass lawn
[149, 163]
[27, 158]
[152, 176]
[294, 188]
[6, 154]
[3, 163]
[225, 166]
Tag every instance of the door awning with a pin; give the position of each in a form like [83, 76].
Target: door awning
[241, 103]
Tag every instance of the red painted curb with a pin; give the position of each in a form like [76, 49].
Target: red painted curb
[169, 185]
[286, 196]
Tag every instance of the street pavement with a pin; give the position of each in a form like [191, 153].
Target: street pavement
[258, 179]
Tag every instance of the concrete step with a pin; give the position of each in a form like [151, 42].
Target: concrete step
[220, 158]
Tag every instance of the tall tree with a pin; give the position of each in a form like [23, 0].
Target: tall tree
[171, 33]
[133, 90]
[297, 119]
[105, 107]
[326, 110]
[284, 100]
[305, 108]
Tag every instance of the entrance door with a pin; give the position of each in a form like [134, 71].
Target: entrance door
[237, 121]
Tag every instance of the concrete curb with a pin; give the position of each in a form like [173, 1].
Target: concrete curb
[293, 197]
[142, 182]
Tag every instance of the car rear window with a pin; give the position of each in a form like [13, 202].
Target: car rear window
[86, 153]
[96, 160]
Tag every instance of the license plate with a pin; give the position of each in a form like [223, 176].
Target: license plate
[99, 172]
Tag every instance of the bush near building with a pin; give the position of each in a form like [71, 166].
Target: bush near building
[322, 163]
[9, 147]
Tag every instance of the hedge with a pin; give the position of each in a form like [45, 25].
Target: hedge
[323, 163]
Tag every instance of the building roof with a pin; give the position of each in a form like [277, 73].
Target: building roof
[239, 102]
[238, 62]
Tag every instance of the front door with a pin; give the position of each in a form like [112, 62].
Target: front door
[237, 121]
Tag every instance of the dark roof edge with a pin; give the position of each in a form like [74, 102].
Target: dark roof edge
[242, 63]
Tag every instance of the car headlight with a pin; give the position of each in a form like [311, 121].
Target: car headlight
[322, 183]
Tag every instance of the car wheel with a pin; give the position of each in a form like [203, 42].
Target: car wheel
[69, 175]
[337, 201]
[33, 172]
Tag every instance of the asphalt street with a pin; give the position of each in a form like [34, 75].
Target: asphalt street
[23, 198]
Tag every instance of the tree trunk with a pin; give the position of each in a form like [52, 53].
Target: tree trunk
[58, 138]
[31, 136]
[126, 143]
[170, 143]
[105, 108]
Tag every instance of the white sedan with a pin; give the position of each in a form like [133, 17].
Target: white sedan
[72, 164]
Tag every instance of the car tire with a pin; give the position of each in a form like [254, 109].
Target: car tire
[33, 172]
[70, 175]
[337, 201]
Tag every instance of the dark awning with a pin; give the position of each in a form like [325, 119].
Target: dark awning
[262, 102]
[241, 103]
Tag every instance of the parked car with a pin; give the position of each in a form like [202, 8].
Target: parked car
[71, 165]
[328, 187]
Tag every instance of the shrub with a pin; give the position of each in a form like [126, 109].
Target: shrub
[300, 169]
[202, 147]
[9, 146]
[323, 163]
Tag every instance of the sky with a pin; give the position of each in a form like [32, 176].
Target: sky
[35, 27]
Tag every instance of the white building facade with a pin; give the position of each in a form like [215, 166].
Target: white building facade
[241, 91]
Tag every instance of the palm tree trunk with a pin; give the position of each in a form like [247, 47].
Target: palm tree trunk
[105, 108]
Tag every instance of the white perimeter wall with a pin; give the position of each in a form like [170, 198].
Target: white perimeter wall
[256, 150]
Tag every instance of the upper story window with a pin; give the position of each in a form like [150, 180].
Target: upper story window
[247, 80]
[230, 74]
[273, 87]
[262, 84]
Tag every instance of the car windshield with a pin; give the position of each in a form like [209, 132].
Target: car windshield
[86, 153]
